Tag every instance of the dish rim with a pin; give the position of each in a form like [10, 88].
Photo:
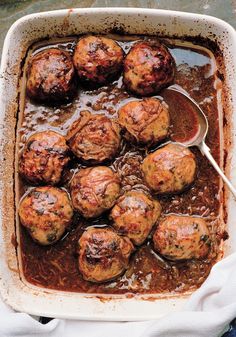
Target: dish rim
[103, 307]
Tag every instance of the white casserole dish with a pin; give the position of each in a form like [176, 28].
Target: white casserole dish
[15, 291]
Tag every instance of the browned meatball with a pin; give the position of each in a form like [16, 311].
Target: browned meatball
[94, 138]
[169, 169]
[44, 157]
[134, 215]
[146, 121]
[103, 254]
[97, 59]
[94, 190]
[148, 68]
[50, 75]
[182, 238]
[46, 212]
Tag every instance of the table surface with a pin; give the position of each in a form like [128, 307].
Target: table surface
[11, 10]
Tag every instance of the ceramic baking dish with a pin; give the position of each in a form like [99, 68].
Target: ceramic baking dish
[15, 290]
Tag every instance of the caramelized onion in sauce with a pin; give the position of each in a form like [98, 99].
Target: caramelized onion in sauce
[148, 272]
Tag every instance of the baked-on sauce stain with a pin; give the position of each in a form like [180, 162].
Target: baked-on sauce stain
[56, 266]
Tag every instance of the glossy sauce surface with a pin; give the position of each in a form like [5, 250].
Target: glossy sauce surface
[56, 266]
[184, 117]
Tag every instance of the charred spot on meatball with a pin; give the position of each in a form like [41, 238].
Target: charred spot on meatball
[94, 190]
[44, 158]
[182, 238]
[148, 68]
[94, 138]
[134, 215]
[97, 59]
[50, 76]
[103, 254]
[46, 212]
[145, 121]
[170, 169]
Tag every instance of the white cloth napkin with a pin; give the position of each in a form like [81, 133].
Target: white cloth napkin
[207, 314]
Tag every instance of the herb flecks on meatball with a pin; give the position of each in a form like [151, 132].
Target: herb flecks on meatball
[44, 158]
[50, 76]
[94, 190]
[46, 212]
[97, 59]
[148, 68]
[103, 254]
[145, 121]
[134, 215]
[170, 169]
[94, 138]
[182, 238]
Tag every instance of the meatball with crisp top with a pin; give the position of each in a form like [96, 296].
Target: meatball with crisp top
[46, 212]
[145, 121]
[94, 190]
[103, 254]
[94, 138]
[50, 76]
[170, 169]
[97, 59]
[134, 215]
[148, 67]
[44, 157]
[182, 238]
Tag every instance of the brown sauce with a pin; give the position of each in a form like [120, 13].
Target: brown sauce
[56, 266]
[184, 118]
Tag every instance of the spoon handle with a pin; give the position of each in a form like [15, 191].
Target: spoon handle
[206, 151]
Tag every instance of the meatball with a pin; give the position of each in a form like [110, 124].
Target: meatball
[146, 121]
[44, 157]
[97, 59]
[134, 215]
[182, 238]
[46, 212]
[103, 254]
[170, 169]
[94, 190]
[148, 68]
[50, 76]
[94, 138]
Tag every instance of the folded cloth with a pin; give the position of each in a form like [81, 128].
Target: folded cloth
[207, 314]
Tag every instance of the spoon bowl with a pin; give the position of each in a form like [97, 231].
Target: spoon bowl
[198, 137]
[191, 105]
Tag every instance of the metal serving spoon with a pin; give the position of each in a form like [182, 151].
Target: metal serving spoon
[199, 137]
